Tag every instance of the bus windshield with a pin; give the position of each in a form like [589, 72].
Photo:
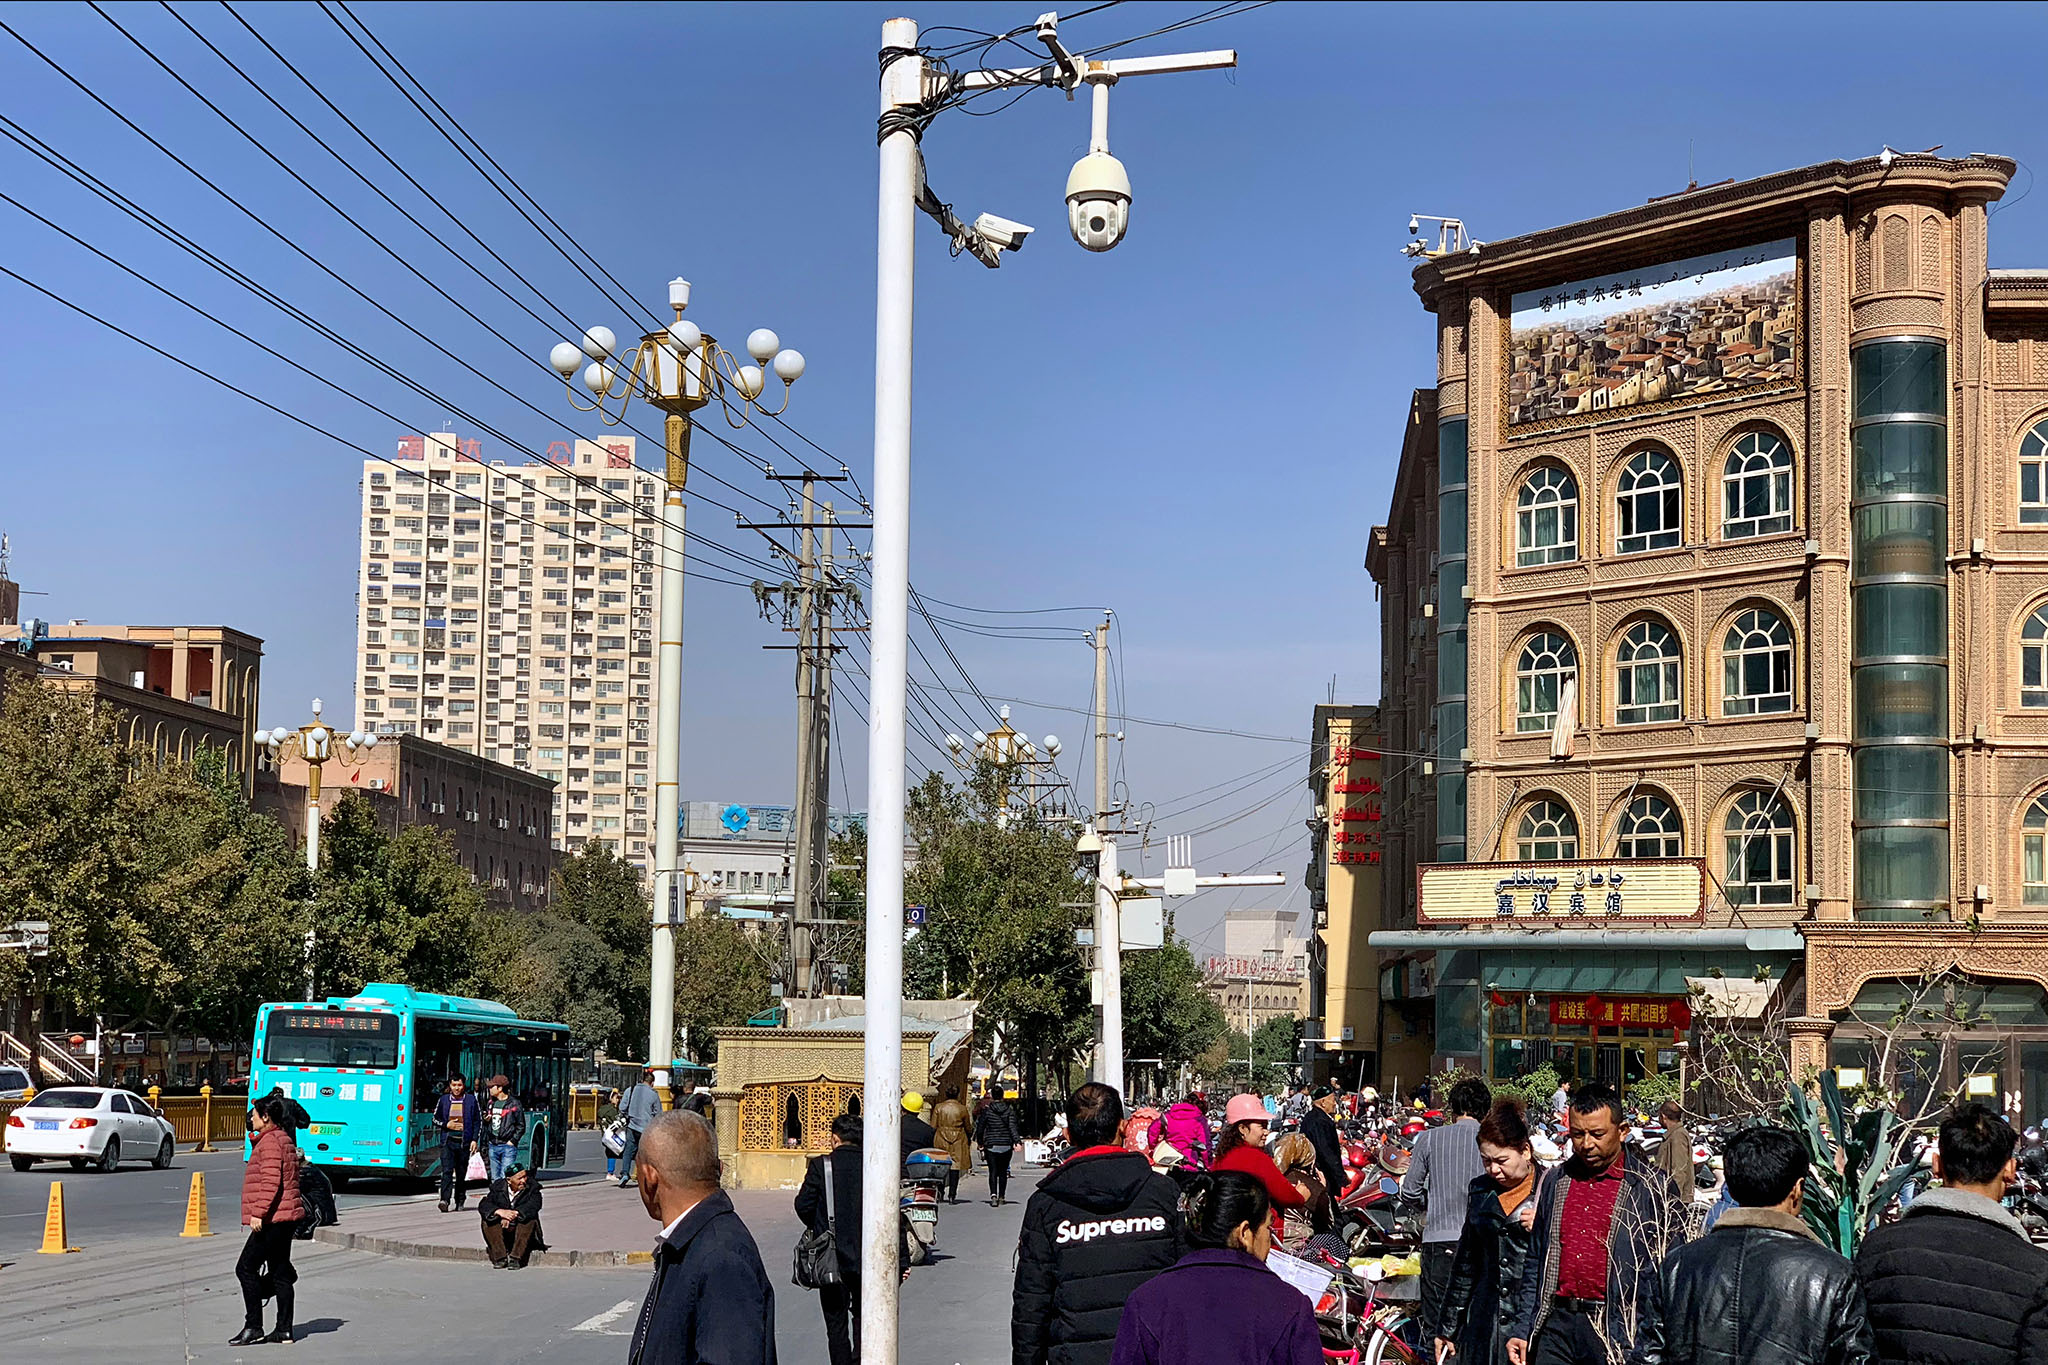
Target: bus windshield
[331, 1038]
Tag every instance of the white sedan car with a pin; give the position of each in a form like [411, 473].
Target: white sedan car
[88, 1125]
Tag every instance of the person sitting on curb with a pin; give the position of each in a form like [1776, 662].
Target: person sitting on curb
[316, 1194]
[512, 1219]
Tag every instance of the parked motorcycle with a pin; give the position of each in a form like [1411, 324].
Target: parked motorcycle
[923, 1189]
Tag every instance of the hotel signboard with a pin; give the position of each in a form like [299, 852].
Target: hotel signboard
[1582, 893]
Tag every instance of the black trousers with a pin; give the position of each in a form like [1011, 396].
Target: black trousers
[953, 1187]
[454, 1171]
[1437, 1259]
[841, 1303]
[998, 1172]
[266, 1266]
[1569, 1336]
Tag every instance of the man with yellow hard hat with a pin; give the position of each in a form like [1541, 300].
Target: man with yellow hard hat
[916, 1132]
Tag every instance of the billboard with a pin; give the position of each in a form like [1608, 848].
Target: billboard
[1707, 326]
[1580, 894]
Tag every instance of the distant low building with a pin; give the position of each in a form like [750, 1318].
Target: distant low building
[497, 815]
[180, 688]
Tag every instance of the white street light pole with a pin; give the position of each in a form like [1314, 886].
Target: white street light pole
[1098, 202]
[314, 743]
[889, 619]
[678, 370]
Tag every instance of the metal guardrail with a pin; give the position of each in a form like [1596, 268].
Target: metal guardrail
[216, 1120]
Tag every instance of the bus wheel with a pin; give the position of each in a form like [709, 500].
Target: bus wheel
[337, 1178]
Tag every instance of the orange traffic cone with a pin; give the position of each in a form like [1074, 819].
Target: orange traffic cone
[195, 1209]
[56, 1241]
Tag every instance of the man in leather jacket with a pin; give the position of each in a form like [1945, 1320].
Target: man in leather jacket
[1759, 1289]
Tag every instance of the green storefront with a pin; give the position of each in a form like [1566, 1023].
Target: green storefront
[1607, 1005]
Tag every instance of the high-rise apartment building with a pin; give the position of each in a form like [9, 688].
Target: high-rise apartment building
[509, 610]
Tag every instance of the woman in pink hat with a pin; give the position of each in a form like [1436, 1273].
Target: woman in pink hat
[1241, 1147]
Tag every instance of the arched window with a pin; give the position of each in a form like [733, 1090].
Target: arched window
[1547, 660]
[1649, 829]
[1756, 665]
[2034, 475]
[1756, 487]
[1548, 832]
[2033, 857]
[2034, 658]
[1646, 675]
[1760, 863]
[1547, 518]
[1649, 513]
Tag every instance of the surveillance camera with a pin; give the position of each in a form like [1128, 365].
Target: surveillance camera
[1414, 224]
[1003, 233]
[1098, 201]
[1884, 158]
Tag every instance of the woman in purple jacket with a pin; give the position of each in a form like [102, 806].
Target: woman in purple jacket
[1219, 1302]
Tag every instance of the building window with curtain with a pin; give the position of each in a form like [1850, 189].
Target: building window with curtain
[1646, 675]
[2034, 658]
[2033, 856]
[1649, 829]
[1760, 867]
[1547, 659]
[1547, 518]
[1547, 833]
[1756, 665]
[1756, 487]
[2034, 475]
[1649, 512]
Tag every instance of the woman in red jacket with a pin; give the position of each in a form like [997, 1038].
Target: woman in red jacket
[1241, 1147]
[271, 1209]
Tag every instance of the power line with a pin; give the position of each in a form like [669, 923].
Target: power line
[315, 427]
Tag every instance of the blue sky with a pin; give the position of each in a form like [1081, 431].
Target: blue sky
[1196, 429]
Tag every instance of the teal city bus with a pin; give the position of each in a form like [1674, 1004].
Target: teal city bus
[368, 1068]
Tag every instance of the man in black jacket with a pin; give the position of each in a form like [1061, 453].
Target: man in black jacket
[1759, 1289]
[1096, 1228]
[839, 1302]
[1320, 1128]
[511, 1211]
[1955, 1279]
[710, 1300]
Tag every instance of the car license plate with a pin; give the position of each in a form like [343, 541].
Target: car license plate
[46, 1125]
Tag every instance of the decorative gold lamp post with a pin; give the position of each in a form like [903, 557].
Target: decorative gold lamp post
[678, 370]
[316, 744]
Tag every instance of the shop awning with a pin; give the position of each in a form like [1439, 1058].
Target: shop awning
[1633, 940]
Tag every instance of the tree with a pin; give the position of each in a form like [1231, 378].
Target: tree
[999, 889]
[67, 847]
[584, 959]
[398, 908]
[1167, 1014]
[721, 982]
[221, 901]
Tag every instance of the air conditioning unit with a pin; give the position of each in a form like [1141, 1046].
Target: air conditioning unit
[437, 808]
[377, 784]
[503, 824]
[470, 816]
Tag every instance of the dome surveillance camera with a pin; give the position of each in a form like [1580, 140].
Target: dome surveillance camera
[1098, 201]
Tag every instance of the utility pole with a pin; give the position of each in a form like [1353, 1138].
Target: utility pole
[817, 597]
[1109, 963]
[804, 902]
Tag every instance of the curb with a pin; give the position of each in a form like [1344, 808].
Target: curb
[429, 1251]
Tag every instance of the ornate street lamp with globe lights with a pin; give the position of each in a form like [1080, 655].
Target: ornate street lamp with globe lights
[316, 744]
[678, 369]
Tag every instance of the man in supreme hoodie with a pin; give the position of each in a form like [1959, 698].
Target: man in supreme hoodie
[1099, 1226]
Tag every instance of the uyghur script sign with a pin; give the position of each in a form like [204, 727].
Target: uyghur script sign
[1586, 893]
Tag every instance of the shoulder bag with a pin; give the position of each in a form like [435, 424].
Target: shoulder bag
[815, 1264]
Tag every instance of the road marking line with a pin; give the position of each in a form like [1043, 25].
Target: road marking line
[605, 1319]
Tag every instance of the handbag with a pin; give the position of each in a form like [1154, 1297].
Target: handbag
[614, 1138]
[815, 1264]
[476, 1169]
